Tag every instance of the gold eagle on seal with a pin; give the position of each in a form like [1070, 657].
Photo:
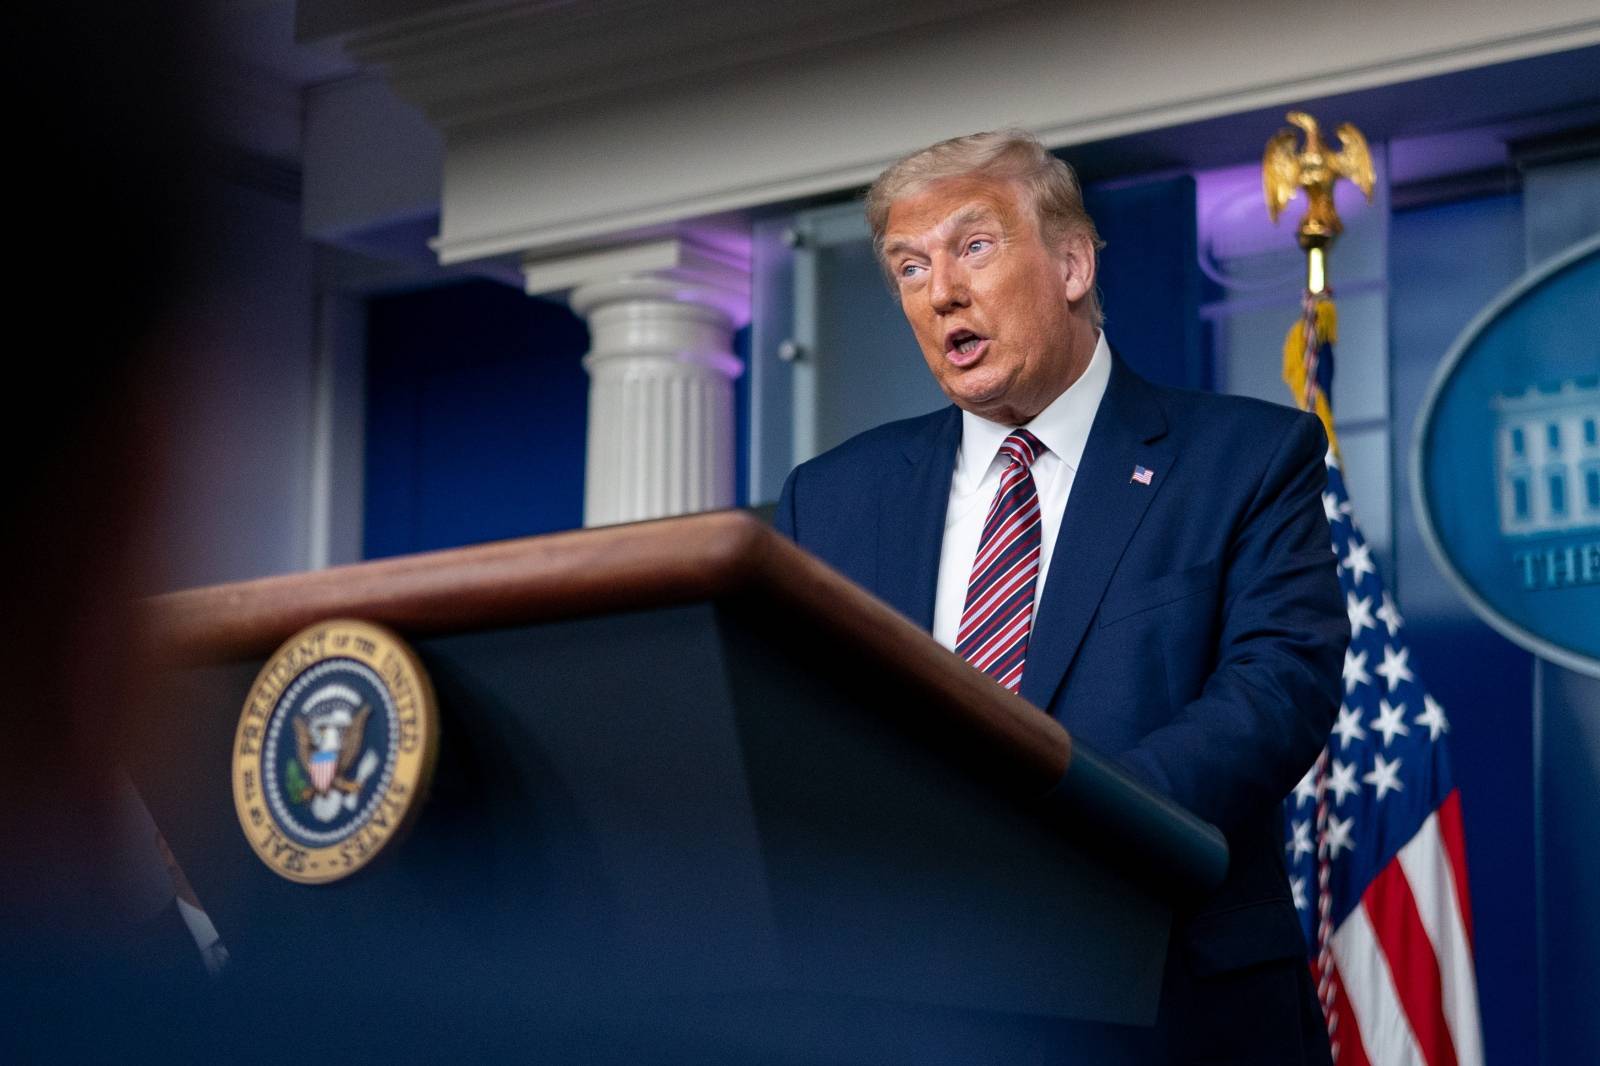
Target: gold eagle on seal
[349, 749]
[330, 768]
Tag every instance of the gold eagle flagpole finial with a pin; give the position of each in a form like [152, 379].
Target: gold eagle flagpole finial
[1308, 348]
[1315, 168]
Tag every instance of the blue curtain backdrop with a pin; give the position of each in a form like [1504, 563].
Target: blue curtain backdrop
[476, 402]
[1150, 278]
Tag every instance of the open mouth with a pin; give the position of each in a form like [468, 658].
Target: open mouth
[962, 346]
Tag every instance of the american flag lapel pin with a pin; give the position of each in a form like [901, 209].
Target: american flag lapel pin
[1142, 475]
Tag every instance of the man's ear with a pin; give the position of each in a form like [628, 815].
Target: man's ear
[1077, 265]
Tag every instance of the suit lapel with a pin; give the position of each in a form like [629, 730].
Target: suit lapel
[1103, 511]
[911, 514]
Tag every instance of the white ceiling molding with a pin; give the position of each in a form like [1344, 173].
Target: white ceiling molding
[577, 124]
[509, 60]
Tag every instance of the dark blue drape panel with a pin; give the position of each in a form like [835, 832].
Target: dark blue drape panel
[741, 419]
[476, 414]
[1150, 278]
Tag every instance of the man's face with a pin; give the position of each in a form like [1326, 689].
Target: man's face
[991, 305]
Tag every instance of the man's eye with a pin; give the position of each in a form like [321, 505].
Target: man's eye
[909, 270]
[978, 244]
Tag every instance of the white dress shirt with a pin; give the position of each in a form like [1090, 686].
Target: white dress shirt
[1063, 429]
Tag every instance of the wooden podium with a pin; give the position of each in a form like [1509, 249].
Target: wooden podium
[699, 799]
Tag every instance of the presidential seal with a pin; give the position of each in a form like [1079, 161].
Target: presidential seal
[334, 750]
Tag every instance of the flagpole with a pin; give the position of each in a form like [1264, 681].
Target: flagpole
[1317, 270]
[1307, 369]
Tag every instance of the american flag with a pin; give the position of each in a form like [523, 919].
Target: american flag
[1374, 845]
[1142, 476]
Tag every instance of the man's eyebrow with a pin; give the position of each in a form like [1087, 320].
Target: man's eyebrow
[965, 217]
[968, 215]
[895, 247]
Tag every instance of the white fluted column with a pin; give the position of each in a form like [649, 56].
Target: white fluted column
[661, 372]
[661, 316]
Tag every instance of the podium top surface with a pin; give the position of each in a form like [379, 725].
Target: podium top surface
[668, 562]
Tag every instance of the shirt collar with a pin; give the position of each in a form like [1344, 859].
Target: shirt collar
[1062, 427]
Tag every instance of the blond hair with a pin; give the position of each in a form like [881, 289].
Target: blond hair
[1008, 155]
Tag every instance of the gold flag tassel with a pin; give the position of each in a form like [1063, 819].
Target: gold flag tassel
[1316, 330]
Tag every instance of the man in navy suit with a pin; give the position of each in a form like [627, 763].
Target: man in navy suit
[1152, 567]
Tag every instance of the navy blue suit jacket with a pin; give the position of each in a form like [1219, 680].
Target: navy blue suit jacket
[1191, 628]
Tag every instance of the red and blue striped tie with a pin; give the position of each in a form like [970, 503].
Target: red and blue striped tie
[999, 611]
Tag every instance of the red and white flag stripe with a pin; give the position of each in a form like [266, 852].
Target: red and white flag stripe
[1403, 958]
